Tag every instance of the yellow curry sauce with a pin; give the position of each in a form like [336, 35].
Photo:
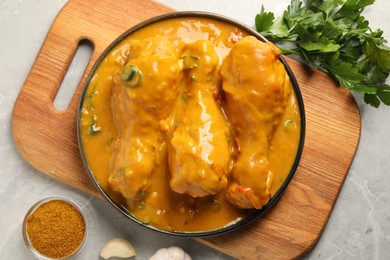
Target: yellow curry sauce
[139, 123]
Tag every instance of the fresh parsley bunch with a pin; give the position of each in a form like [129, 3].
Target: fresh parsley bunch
[334, 37]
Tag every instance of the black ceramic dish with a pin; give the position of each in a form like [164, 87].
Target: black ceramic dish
[256, 213]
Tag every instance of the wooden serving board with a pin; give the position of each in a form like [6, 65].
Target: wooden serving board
[47, 138]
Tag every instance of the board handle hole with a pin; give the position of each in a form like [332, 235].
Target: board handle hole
[73, 75]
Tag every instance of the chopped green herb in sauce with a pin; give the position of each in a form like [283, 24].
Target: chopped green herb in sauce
[93, 129]
[131, 76]
[190, 61]
[184, 96]
[289, 124]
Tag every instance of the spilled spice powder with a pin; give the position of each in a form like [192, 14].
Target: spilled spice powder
[56, 229]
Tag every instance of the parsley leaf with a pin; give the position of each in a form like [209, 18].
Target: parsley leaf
[334, 37]
[264, 20]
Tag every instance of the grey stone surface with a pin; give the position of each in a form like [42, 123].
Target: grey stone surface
[359, 226]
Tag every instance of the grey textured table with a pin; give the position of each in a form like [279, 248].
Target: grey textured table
[359, 226]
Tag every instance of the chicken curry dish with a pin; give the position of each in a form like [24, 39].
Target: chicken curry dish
[190, 124]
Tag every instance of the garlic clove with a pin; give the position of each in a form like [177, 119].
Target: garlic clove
[117, 247]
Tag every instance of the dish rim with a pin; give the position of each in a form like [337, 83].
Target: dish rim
[256, 213]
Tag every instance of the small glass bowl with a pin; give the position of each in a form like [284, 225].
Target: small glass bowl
[26, 238]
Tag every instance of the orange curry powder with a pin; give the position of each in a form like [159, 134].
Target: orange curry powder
[56, 229]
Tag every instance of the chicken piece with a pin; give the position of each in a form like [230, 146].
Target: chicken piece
[143, 97]
[199, 153]
[257, 88]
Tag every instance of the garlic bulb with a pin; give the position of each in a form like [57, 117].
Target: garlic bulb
[170, 253]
